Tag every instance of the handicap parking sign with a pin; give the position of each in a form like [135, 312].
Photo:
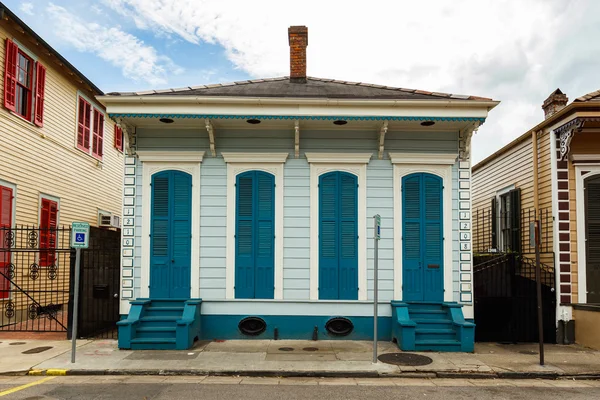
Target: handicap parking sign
[80, 233]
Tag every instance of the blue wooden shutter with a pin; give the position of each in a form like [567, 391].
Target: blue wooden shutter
[159, 236]
[264, 203]
[328, 237]
[433, 239]
[182, 234]
[244, 234]
[411, 238]
[348, 267]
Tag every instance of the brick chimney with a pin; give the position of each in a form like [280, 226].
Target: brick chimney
[298, 38]
[554, 103]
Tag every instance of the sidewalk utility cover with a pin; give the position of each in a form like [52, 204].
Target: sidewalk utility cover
[406, 359]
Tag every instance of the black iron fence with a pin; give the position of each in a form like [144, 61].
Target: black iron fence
[34, 278]
[499, 232]
[99, 286]
[506, 299]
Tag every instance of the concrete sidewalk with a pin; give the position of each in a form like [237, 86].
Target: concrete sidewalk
[312, 358]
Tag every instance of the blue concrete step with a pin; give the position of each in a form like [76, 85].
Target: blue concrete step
[427, 314]
[154, 311]
[434, 334]
[434, 323]
[437, 345]
[151, 332]
[153, 344]
[167, 302]
[162, 321]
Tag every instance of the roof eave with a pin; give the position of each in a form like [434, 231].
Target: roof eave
[565, 112]
[29, 31]
[157, 99]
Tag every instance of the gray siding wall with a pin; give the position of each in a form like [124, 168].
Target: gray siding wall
[213, 222]
[296, 254]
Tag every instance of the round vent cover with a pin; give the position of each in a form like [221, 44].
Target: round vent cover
[252, 326]
[339, 326]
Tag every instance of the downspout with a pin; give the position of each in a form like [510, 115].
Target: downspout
[536, 199]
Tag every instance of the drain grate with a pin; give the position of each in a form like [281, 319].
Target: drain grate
[286, 349]
[406, 359]
[310, 349]
[36, 350]
[17, 343]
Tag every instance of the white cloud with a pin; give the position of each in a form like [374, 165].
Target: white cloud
[517, 51]
[27, 8]
[138, 61]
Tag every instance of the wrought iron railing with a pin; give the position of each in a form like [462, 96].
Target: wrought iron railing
[34, 278]
[493, 233]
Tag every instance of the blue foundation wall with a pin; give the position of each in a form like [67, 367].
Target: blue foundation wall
[225, 327]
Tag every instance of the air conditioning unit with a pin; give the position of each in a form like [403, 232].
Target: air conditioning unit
[109, 220]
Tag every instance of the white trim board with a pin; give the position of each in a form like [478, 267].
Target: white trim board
[581, 239]
[235, 168]
[327, 308]
[338, 158]
[236, 157]
[423, 158]
[170, 156]
[359, 169]
[444, 172]
[150, 168]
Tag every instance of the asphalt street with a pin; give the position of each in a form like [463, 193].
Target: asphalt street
[180, 387]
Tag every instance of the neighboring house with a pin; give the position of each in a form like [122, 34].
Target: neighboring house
[258, 197]
[61, 160]
[556, 179]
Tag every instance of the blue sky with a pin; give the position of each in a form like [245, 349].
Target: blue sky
[516, 51]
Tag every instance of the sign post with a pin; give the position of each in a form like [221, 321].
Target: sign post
[534, 239]
[80, 238]
[376, 237]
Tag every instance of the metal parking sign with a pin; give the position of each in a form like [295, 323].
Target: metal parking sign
[80, 235]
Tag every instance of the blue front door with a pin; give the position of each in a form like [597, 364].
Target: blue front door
[338, 236]
[422, 238]
[171, 235]
[255, 236]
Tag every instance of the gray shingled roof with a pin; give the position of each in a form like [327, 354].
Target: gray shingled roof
[313, 88]
[594, 96]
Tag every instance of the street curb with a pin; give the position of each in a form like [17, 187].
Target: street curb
[314, 374]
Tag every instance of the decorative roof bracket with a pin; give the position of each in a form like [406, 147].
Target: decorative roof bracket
[465, 136]
[297, 138]
[382, 132]
[129, 139]
[211, 136]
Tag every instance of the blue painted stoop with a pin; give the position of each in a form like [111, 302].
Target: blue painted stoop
[160, 324]
[430, 326]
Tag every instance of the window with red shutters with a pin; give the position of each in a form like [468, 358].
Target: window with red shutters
[40, 90]
[6, 203]
[98, 134]
[10, 75]
[118, 138]
[24, 89]
[48, 225]
[83, 125]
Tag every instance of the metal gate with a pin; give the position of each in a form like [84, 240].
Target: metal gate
[34, 278]
[99, 286]
[506, 299]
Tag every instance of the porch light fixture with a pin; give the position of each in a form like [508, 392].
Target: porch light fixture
[166, 120]
[253, 121]
[427, 123]
[340, 122]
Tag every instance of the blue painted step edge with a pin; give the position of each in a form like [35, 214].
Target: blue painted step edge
[188, 327]
[465, 330]
[127, 327]
[403, 328]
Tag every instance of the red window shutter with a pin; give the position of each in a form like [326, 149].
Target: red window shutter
[10, 75]
[6, 196]
[40, 88]
[118, 138]
[83, 125]
[48, 225]
[98, 133]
